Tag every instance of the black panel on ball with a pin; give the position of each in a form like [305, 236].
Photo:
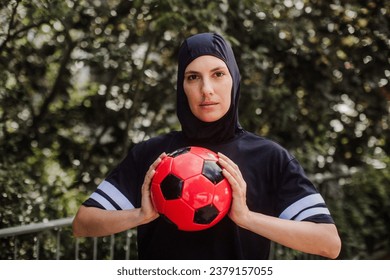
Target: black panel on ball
[212, 171]
[180, 151]
[171, 187]
[205, 215]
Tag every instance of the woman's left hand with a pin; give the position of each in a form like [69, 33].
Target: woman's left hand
[239, 210]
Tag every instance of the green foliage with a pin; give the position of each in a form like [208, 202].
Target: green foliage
[363, 214]
[82, 81]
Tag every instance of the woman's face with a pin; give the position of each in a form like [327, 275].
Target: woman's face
[208, 86]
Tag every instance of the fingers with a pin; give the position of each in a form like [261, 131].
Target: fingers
[230, 165]
[152, 169]
[232, 173]
[156, 162]
[230, 170]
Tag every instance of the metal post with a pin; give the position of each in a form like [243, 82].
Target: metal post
[95, 248]
[37, 244]
[58, 247]
[112, 246]
[76, 250]
[16, 243]
[128, 237]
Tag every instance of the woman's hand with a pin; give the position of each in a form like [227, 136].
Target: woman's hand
[148, 212]
[239, 210]
[309, 237]
[92, 221]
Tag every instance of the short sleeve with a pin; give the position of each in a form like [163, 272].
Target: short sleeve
[298, 198]
[120, 189]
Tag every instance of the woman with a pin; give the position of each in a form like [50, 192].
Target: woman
[272, 197]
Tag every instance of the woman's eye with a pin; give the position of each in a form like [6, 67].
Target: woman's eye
[219, 74]
[192, 77]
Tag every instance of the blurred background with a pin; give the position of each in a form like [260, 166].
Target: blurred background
[82, 81]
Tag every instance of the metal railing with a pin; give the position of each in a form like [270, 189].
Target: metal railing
[54, 240]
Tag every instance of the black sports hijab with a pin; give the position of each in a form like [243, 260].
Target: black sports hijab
[195, 130]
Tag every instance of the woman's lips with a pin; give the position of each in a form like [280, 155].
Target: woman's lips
[207, 104]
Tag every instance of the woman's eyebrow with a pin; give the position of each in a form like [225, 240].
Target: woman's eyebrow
[197, 72]
[218, 68]
[190, 72]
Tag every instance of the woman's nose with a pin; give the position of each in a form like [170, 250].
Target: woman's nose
[207, 88]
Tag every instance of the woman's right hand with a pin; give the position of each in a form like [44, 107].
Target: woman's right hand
[148, 212]
[93, 221]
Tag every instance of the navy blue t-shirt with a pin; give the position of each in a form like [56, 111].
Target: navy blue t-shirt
[276, 186]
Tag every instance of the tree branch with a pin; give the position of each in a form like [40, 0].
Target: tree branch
[56, 86]
[10, 25]
[11, 35]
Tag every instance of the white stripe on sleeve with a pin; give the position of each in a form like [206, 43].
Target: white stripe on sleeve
[301, 204]
[311, 212]
[102, 201]
[110, 190]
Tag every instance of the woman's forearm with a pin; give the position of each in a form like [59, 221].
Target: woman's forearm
[93, 222]
[309, 237]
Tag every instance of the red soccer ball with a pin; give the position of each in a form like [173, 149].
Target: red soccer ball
[189, 189]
